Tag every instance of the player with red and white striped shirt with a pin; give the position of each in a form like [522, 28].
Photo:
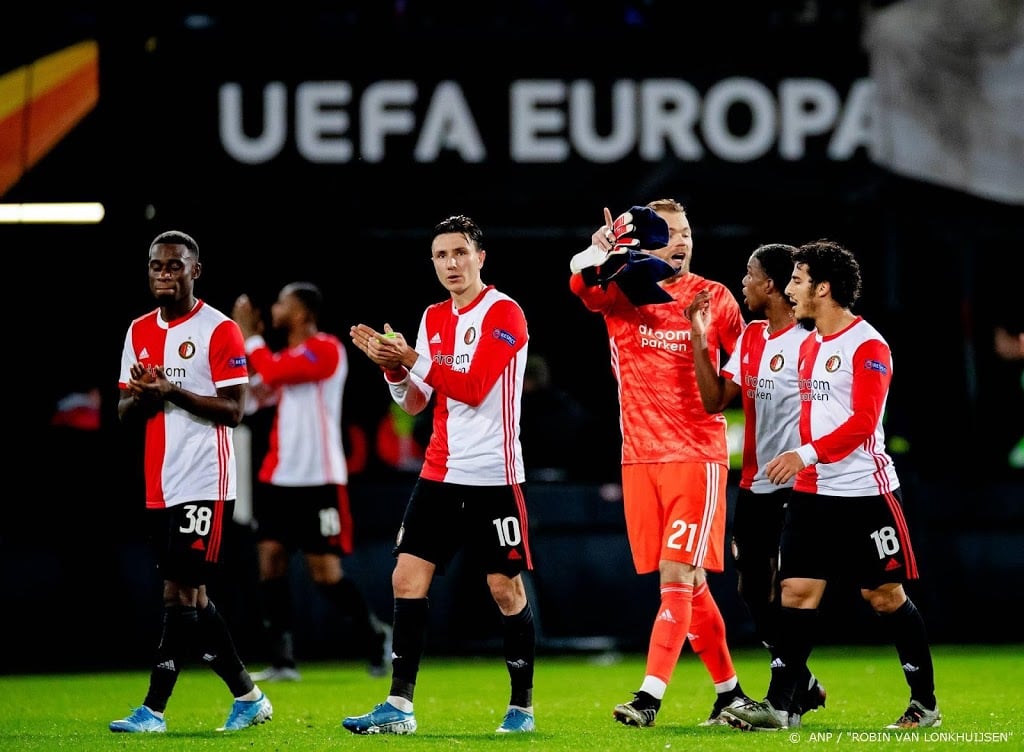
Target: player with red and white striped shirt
[845, 518]
[300, 500]
[762, 374]
[184, 372]
[470, 356]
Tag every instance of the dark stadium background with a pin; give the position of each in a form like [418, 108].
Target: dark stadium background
[937, 263]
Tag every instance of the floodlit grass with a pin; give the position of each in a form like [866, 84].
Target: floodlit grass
[460, 702]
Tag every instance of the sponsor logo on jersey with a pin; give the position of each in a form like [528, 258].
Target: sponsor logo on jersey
[507, 337]
[874, 365]
[833, 363]
[777, 362]
[144, 354]
[186, 349]
[470, 336]
[238, 362]
[436, 339]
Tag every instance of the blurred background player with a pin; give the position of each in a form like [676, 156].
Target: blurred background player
[300, 500]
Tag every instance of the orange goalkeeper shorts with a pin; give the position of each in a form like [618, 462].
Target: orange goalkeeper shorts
[675, 511]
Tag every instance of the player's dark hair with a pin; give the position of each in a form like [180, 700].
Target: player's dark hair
[827, 261]
[176, 237]
[462, 224]
[777, 261]
[309, 295]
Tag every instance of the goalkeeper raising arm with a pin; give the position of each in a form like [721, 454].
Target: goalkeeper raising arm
[675, 460]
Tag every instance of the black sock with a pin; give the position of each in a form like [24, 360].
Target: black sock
[763, 612]
[178, 635]
[796, 629]
[906, 627]
[520, 642]
[724, 698]
[219, 651]
[409, 637]
[645, 700]
[276, 598]
[346, 596]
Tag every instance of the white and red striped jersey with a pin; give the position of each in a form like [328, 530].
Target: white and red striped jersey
[475, 359]
[844, 384]
[188, 458]
[661, 414]
[763, 365]
[305, 445]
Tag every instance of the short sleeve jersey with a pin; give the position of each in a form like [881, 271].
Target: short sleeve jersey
[187, 458]
[844, 384]
[661, 415]
[305, 444]
[473, 360]
[763, 365]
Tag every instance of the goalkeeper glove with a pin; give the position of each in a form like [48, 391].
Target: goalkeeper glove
[639, 229]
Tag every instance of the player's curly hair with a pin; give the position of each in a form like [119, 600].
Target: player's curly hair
[827, 261]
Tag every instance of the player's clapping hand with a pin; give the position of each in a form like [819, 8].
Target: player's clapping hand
[147, 384]
[387, 349]
[247, 316]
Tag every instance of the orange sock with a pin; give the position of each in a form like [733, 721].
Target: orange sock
[670, 628]
[707, 638]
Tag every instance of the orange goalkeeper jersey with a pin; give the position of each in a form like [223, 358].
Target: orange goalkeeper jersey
[660, 412]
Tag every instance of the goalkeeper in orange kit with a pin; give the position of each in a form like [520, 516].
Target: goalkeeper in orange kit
[675, 460]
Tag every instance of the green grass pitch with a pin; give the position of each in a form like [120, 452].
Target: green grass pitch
[460, 702]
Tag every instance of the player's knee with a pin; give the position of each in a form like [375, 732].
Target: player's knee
[885, 599]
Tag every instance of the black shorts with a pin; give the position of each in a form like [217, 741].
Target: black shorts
[756, 529]
[311, 519]
[189, 540]
[489, 523]
[863, 540]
